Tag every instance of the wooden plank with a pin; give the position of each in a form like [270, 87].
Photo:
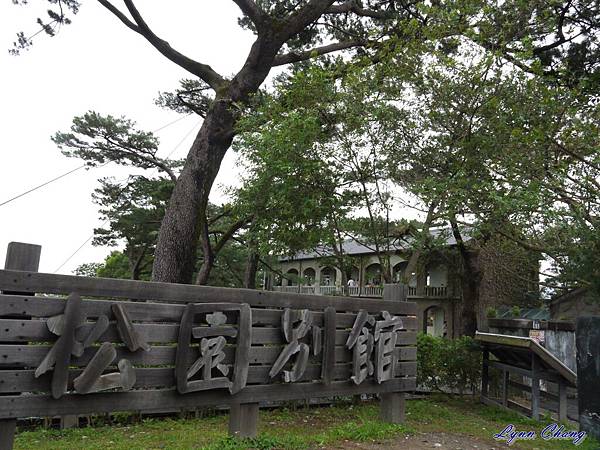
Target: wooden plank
[485, 377]
[18, 330]
[329, 342]
[7, 433]
[44, 405]
[525, 372]
[535, 387]
[21, 256]
[32, 355]
[562, 401]
[23, 380]
[547, 359]
[505, 384]
[243, 420]
[512, 406]
[15, 330]
[392, 407]
[526, 388]
[184, 293]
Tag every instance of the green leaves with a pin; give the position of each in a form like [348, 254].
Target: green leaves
[99, 139]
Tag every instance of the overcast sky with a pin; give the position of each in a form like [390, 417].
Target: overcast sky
[94, 63]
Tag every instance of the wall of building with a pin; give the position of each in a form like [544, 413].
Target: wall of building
[509, 277]
[570, 307]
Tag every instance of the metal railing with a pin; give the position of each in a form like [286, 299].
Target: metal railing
[364, 291]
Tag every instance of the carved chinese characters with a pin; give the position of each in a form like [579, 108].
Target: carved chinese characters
[199, 368]
[383, 341]
[75, 335]
[296, 325]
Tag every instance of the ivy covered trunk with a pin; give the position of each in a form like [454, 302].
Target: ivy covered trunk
[175, 256]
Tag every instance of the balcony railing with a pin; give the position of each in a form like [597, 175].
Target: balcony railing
[365, 291]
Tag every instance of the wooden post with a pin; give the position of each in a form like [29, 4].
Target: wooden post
[69, 422]
[535, 388]
[485, 373]
[7, 433]
[563, 401]
[505, 380]
[588, 358]
[392, 407]
[243, 420]
[19, 256]
[395, 292]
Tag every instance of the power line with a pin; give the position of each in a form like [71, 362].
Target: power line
[84, 165]
[171, 123]
[106, 221]
[181, 141]
[78, 249]
[42, 185]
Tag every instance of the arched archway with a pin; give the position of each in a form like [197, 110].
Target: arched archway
[373, 275]
[437, 275]
[434, 319]
[292, 277]
[309, 276]
[328, 276]
[398, 271]
[354, 275]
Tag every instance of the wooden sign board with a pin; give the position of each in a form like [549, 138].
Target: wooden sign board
[91, 345]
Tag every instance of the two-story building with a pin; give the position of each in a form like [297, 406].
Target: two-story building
[435, 284]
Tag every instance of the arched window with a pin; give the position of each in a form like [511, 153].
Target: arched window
[328, 276]
[373, 275]
[292, 277]
[309, 276]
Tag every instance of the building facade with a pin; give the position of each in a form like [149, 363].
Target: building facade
[435, 284]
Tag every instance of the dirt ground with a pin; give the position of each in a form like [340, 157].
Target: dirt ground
[423, 441]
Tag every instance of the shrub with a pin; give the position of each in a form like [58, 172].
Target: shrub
[491, 312]
[448, 364]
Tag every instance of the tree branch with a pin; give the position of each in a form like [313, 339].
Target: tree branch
[122, 17]
[253, 12]
[299, 20]
[352, 6]
[292, 57]
[203, 71]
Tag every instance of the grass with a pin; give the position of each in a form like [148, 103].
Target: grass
[305, 428]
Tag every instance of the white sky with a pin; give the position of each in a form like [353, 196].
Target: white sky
[94, 63]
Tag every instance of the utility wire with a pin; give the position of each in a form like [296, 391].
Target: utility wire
[77, 251]
[42, 185]
[106, 221]
[172, 123]
[84, 165]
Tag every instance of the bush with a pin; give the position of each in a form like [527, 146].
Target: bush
[448, 365]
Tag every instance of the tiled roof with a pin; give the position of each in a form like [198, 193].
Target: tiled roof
[352, 247]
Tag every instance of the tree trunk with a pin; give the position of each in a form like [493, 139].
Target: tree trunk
[251, 269]
[470, 301]
[470, 283]
[418, 251]
[175, 256]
